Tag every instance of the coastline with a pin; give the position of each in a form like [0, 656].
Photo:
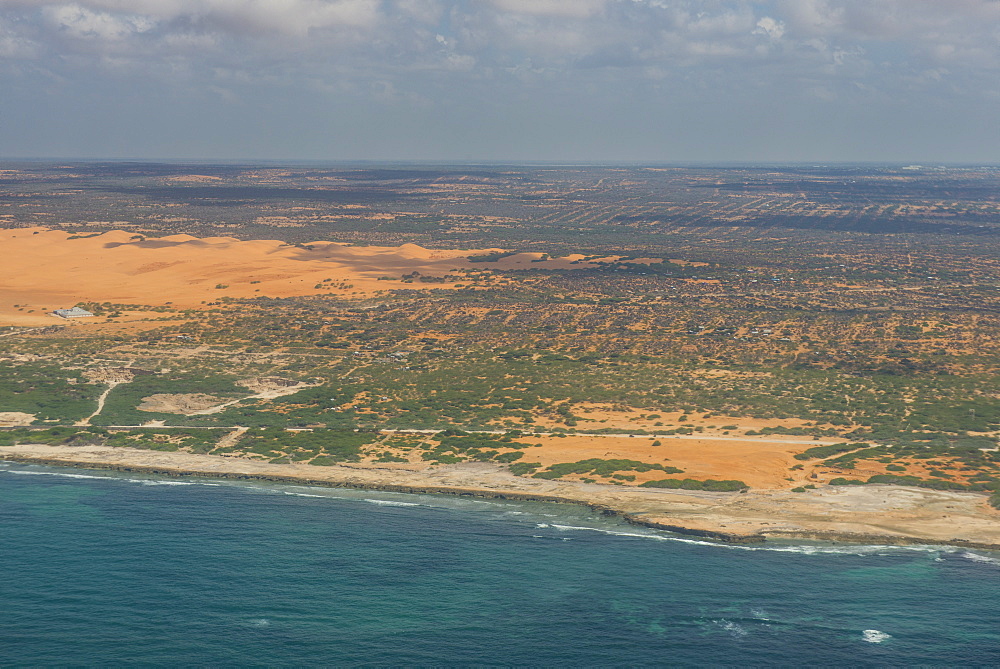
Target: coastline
[882, 515]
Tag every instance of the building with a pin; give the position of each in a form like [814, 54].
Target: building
[75, 312]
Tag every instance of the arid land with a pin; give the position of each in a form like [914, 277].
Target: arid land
[828, 373]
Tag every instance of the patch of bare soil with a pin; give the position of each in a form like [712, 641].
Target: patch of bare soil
[183, 403]
[267, 384]
[16, 418]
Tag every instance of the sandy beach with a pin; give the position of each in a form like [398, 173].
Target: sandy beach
[874, 514]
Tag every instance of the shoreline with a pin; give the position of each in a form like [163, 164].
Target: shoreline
[873, 515]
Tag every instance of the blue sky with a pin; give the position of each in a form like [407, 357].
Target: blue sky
[550, 80]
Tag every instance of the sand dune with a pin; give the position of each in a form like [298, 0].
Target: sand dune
[48, 269]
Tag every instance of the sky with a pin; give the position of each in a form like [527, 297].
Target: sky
[647, 81]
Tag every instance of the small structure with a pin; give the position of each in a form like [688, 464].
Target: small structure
[75, 312]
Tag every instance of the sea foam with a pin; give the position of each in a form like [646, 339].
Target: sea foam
[875, 636]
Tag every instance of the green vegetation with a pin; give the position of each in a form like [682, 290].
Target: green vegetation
[826, 451]
[491, 257]
[842, 481]
[693, 484]
[53, 436]
[318, 447]
[605, 468]
[195, 441]
[46, 390]
[523, 468]
[457, 446]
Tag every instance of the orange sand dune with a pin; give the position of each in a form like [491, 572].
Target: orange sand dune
[760, 464]
[47, 269]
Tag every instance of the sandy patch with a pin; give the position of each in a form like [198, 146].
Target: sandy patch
[598, 416]
[268, 384]
[267, 388]
[16, 418]
[759, 464]
[183, 403]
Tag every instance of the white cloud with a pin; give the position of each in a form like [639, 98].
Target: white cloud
[385, 34]
[85, 23]
[770, 27]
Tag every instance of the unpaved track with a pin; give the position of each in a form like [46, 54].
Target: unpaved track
[100, 404]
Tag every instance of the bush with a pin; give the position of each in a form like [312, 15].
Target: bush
[693, 484]
[602, 468]
[826, 451]
[918, 482]
[843, 481]
[522, 468]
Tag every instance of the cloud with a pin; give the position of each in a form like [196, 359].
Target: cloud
[559, 8]
[770, 27]
[84, 23]
[478, 57]
[552, 33]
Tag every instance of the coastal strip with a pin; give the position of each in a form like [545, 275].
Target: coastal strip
[874, 515]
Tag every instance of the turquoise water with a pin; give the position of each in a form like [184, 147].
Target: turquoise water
[103, 568]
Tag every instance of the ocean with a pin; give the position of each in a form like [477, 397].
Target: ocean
[104, 568]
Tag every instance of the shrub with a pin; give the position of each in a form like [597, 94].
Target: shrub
[522, 468]
[602, 468]
[843, 481]
[827, 451]
[693, 484]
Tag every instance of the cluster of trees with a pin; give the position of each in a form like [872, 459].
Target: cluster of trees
[604, 468]
[710, 485]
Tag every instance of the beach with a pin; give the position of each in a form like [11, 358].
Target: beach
[872, 514]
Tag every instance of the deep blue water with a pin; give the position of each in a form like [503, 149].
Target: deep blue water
[103, 568]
